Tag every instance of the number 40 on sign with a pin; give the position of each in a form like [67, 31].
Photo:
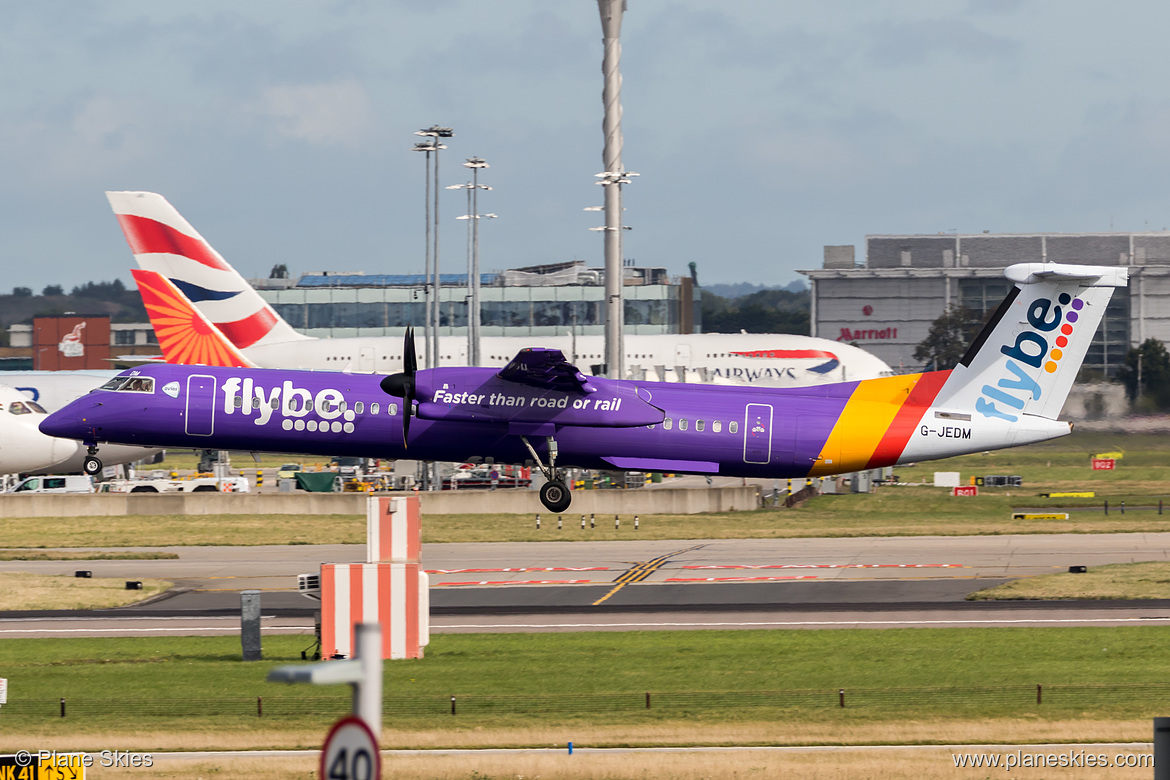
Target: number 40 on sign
[350, 752]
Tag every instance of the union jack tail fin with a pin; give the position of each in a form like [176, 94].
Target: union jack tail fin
[163, 242]
[185, 335]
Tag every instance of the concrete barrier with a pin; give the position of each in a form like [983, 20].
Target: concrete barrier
[647, 501]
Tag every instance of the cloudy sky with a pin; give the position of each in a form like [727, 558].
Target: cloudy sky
[762, 130]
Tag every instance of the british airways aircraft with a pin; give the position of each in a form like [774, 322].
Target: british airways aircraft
[180, 271]
[1007, 391]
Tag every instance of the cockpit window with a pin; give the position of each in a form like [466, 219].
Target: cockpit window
[130, 384]
[138, 384]
[18, 407]
[36, 407]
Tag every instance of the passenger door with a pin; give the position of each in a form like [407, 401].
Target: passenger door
[757, 433]
[200, 412]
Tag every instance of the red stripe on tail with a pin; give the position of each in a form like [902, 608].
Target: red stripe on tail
[148, 236]
[246, 332]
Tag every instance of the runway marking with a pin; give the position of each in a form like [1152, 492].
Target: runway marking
[107, 630]
[4, 621]
[740, 579]
[514, 582]
[763, 623]
[837, 566]
[237, 590]
[643, 570]
[531, 568]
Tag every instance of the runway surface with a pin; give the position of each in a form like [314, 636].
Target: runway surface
[875, 582]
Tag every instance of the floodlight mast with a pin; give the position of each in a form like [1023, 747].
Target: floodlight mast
[611, 180]
[433, 134]
[474, 356]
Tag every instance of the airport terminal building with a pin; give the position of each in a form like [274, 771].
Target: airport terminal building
[547, 300]
[886, 303]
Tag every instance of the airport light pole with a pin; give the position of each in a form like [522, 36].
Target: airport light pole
[473, 217]
[433, 134]
[612, 179]
[428, 147]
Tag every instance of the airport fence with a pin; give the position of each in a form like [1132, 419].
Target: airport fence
[1034, 698]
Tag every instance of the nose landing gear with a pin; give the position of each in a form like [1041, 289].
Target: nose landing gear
[92, 465]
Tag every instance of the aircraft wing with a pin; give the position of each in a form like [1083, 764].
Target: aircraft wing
[546, 369]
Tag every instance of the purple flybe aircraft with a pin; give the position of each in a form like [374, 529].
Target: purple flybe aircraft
[539, 409]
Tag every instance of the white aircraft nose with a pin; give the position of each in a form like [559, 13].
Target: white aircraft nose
[24, 448]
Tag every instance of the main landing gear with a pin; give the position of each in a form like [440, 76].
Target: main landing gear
[92, 465]
[554, 494]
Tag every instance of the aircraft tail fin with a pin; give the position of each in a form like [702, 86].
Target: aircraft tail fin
[184, 335]
[163, 242]
[1024, 361]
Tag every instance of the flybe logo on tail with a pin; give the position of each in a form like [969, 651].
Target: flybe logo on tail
[1032, 348]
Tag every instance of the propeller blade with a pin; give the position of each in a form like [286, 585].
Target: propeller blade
[401, 385]
[409, 358]
[407, 409]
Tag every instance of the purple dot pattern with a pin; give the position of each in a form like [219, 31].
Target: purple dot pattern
[1078, 304]
[1071, 316]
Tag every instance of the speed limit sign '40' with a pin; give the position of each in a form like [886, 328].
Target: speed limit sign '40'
[350, 752]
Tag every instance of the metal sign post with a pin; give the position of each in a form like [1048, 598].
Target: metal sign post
[363, 673]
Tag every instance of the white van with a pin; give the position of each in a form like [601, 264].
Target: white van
[78, 483]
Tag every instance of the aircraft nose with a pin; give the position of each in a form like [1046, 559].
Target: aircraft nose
[65, 424]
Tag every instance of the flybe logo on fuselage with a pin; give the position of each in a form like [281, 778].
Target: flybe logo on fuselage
[293, 403]
[1031, 350]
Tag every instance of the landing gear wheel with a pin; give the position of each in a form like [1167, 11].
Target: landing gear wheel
[92, 465]
[555, 496]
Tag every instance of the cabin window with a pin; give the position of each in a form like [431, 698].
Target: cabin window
[238, 402]
[392, 408]
[341, 406]
[327, 406]
[716, 426]
[275, 403]
[255, 402]
[358, 407]
[699, 425]
[733, 427]
[375, 408]
[651, 427]
[667, 424]
[682, 424]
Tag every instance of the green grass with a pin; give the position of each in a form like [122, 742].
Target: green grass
[533, 667]
[1149, 580]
